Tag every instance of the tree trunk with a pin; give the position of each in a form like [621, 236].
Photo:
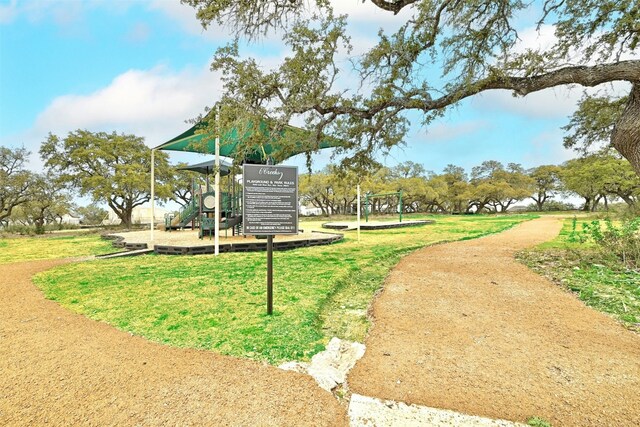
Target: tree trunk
[629, 200]
[626, 133]
[39, 222]
[540, 200]
[125, 216]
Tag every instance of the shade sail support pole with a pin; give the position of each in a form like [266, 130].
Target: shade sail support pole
[216, 187]
[153, 194]
[358, 209]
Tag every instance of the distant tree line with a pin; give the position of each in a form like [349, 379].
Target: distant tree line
[114, 170]
[111, 169]
[598, 179]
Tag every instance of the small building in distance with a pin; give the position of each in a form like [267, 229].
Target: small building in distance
[139, 215]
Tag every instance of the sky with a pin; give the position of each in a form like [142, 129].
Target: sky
[143, 67]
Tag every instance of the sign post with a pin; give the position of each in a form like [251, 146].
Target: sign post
[269, 206]
[358, 207]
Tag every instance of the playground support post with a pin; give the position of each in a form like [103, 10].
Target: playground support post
[153, 193]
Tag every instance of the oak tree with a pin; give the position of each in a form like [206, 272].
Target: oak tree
[446, 51]
[546, 184]
[15, 180]
[111, 168]
[48, 203]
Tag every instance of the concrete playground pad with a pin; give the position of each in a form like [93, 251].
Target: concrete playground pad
[374, 225]
[187, 242]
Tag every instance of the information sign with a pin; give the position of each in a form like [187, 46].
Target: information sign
[270, 199]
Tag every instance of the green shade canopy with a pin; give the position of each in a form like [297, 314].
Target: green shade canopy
[208, 167]
[196, 140]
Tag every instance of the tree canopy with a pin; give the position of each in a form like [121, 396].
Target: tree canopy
[15, 180]
[446, 51]
[48, 203]
[112, 168]
[490, 187]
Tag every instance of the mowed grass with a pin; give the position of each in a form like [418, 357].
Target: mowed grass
[51, 247]
[601, 283]
[219, 303]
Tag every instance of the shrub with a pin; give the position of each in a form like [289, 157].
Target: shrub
[621, 242]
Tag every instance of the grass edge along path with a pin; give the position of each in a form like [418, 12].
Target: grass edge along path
[218, 303]
[579, 268]
[51, 246]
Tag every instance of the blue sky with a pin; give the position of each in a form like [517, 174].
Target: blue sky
[142, 67]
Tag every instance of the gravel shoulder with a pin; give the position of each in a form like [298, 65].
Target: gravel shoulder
[60, 368]
[465, 327]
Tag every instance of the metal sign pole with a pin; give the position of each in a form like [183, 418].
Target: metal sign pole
[269, 264]
[270, 274]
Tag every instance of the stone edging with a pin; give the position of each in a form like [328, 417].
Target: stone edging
[246, 247]
[254, 246]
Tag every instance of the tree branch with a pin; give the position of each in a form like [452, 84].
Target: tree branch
[418, 100]
[394, 6]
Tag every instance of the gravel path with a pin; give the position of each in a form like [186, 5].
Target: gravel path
[460, 326]
[64, 369]
[465, 327]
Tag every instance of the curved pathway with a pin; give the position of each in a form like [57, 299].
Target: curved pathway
[463, 326]
[60, 368]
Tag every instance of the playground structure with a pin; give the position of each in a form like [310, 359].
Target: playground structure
[200, 211]
[377, 225]
[201, 139]
[367, 203]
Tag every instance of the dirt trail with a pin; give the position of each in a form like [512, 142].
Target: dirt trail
[64, 369]
[463, 326]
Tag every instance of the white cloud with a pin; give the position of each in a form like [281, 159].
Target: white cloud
[444, 132]
[367, 12]
[8, 12]
[546, 148]
[557, 102]
[533, 38]
[550, 103]
[185, 16]
[60, 12]
[139, 33]
[359, 13]
[150, 103]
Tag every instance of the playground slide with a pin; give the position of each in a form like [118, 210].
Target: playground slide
[230, 222]
[207, 224]
[184, 218]
[225, 223]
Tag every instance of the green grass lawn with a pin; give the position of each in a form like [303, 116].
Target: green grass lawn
[599, 281]
[51, 247]
[219, 303]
